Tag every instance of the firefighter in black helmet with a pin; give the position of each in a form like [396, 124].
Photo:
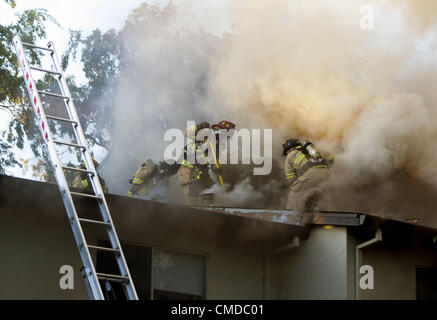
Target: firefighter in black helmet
[307, 170]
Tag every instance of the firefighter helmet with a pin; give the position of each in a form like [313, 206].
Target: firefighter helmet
[196, 128]
[202, 125]
[147, 163]
[289, 144]
[226, 125]
[83, 166]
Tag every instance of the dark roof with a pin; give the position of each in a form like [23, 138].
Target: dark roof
[130, 214]
[26, 198]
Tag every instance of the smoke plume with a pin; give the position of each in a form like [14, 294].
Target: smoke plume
[304, 68]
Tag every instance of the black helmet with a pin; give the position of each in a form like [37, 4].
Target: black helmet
[202, 125]
[147, 162]
[289, 144]
[83, 166]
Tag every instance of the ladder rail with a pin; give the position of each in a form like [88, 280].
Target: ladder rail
[98, 190]
[89, 272]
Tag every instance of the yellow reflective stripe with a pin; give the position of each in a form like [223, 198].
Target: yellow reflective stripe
[75, 184]
[185, 163]
[298, 160]
[192, 145]
[137, 181]
[85, 183]
[330, 157]
[290, 175]
[320, 166]
[199, 174]
[129, 194]
[143, 191]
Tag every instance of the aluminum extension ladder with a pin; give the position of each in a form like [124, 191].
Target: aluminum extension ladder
[89, 274]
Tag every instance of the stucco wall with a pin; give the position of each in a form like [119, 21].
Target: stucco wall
[36, 239]
[395, 270]
[33, 248]
[314, 270]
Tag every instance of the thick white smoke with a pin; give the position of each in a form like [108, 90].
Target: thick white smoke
[306, 69]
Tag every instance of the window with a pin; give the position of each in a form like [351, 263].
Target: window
[175, 275]
[178, 275]
[426, 283]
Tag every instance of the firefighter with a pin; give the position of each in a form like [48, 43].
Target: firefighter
[194, 179]
[150, 175]
[307, 171]
[82, 181]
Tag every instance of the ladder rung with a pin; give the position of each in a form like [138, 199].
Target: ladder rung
[71, 145]
[53, 94]
[112, 277]
[104, 249]
[77, 169]
[37, 47]
[45, 70]
[86, 195]
[61, 119]
[95, 222]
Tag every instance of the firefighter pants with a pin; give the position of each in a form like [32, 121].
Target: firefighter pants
[310, 192]
[193, 186]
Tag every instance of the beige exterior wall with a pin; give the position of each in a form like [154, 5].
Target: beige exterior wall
[395, 270]
[323, 267]
[36, 240]
[33, 248]
[314, 270]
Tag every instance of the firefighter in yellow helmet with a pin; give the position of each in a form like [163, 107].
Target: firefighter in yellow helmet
[307, 170]
[82, 181]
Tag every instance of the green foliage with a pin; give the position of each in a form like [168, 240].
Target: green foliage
[100, 57]
[30, 24]
[73, 44]
[12, 3]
